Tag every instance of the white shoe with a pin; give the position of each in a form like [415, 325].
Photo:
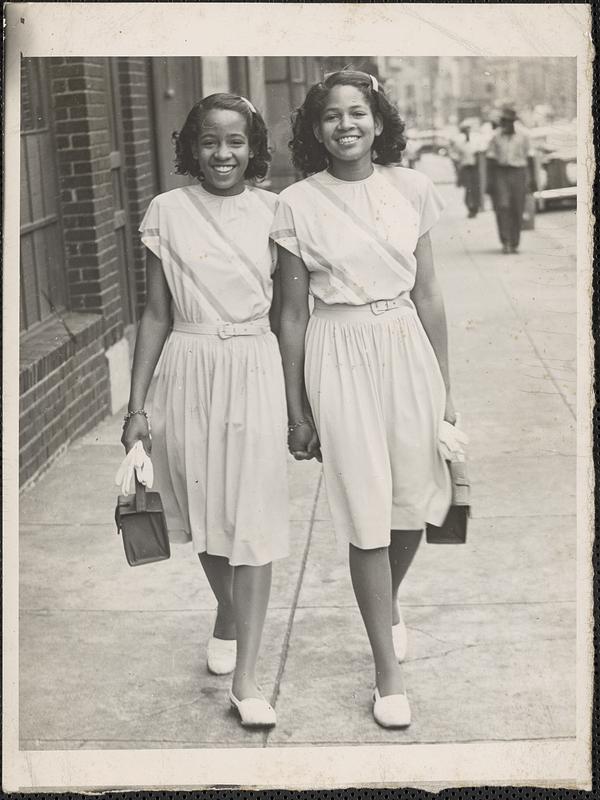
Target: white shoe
[254, 712]
[221, 655]
[391, 711]
[400, 637]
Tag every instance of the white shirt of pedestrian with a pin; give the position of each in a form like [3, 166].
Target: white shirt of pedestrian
[510, 150]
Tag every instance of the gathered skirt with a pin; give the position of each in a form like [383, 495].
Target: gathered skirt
[378, 399]
[219, 445]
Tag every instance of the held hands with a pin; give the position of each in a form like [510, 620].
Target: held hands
[303, 442]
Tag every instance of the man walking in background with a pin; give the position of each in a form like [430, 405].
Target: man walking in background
[465, 156]
[510, 176]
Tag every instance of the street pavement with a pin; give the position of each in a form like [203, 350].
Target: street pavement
[114, 657]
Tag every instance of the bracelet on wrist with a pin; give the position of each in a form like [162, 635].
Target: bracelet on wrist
[130, 414]
[292, 426]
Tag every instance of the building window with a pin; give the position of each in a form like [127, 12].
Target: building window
[34, 100]
[275, 68]
[119, 192]
[238, 76]
[297, 71]
[42, 275]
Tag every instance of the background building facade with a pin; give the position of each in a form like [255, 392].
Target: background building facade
[432, 91]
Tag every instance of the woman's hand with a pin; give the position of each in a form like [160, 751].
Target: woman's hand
[136, 429]
[314, 446]
[450, 412]
[303, 442]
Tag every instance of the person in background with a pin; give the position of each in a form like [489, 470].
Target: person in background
[454, 156]
[510, 175]
[465, 155]
[412, 152]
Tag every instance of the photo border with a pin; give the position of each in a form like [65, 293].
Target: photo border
[421, 29]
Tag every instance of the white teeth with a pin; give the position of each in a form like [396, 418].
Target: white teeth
[347, 139]
[223, 170]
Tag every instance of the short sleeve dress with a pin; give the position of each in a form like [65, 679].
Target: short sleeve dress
[372, 377]
[218, 410]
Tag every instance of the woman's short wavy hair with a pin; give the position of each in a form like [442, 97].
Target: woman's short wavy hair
[309, 155]
[187, 164]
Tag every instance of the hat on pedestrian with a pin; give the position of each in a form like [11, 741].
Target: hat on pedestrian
[508, 113]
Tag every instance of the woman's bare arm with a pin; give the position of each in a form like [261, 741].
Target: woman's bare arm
[275, 310]
[292, 330]
[427, 297]
[152, 332]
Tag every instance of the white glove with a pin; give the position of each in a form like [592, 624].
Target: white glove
[136, 459]
[451, 441]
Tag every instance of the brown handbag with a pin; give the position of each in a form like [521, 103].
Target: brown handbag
[141, 522]
[454, 528]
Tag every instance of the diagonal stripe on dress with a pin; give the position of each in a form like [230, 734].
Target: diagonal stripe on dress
[208, 297]
[352, 290]
[342, 276]
[208, 217]
[397, 257]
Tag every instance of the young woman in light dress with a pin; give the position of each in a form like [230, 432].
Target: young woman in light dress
[366, 373]
[218, 415]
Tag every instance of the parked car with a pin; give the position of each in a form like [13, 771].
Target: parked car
[429, 141]
[555, 148]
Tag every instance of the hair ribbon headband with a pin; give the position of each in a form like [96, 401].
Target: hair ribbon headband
[249, 104]
[374, 83]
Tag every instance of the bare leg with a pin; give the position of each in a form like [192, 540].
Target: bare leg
[402, 550]
[372, 582]
[251, 590]
[220, 577]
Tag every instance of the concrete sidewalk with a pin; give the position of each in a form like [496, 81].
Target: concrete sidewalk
[114, 657]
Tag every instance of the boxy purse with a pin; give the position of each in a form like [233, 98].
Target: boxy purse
[141, 522]
[454, 528]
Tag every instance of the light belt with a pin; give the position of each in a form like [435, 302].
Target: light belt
[377, 306]
[225, 330]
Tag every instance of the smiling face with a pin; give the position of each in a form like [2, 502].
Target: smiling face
[223, 151]
[347, 127]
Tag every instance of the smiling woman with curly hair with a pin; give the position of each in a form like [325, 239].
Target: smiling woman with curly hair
[366, 373]
[219, 417]
[309, 155]
[187, 164]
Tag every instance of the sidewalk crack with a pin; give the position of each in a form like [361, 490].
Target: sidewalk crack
[294, 604]
[426, 633]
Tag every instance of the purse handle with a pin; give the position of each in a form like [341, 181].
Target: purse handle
[140, 496]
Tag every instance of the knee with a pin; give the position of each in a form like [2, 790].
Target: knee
[367, 552]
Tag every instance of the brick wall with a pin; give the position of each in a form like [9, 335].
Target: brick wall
[139, 157]
[64, 388]
[81, 111]
[64, 372]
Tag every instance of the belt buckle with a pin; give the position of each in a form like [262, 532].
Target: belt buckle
[226, 331]
[380, 306]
